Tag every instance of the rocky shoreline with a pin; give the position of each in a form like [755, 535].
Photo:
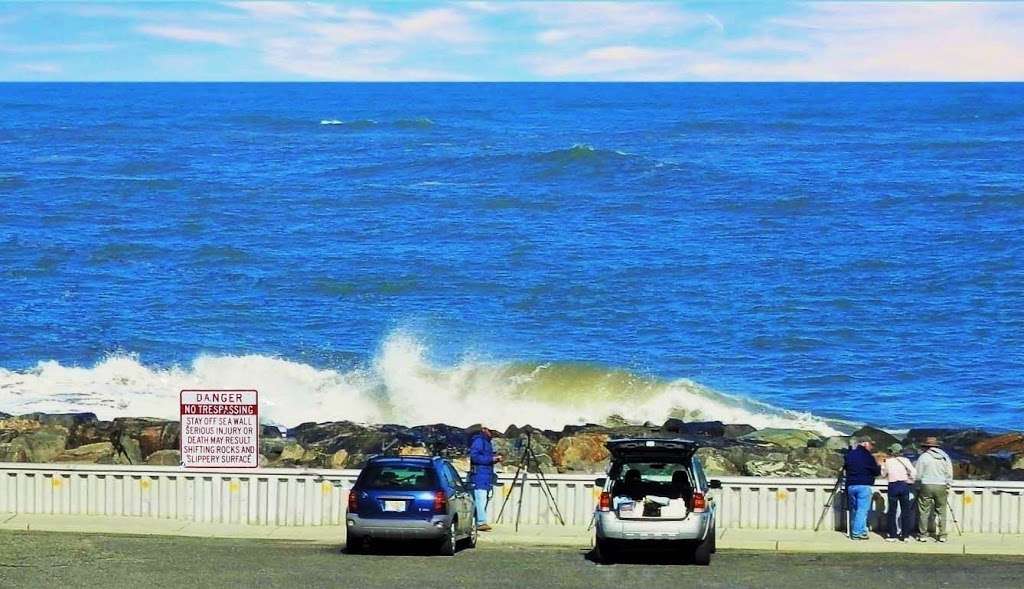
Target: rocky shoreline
[727, 449]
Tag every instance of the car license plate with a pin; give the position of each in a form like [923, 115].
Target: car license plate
[394, 506]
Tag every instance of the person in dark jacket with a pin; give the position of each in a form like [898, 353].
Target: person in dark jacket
[482, 460]
[861, 469]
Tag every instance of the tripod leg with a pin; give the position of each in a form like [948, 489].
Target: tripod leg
[828, 504]
[552, 504]
[522, 493]
[511, 489]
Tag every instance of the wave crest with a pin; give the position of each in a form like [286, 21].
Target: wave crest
[400, 385]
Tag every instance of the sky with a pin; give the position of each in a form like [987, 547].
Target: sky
[511, 41]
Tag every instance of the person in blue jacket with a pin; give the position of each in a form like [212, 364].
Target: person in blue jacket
[482, 460]
[861, 469]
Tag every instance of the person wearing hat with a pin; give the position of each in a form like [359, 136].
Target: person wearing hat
[900, 473]
[482, 460]
[935, 478]
[861, 469]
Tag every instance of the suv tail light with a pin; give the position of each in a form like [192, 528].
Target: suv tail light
[353, 501]
[440, 502]
[605, 502]
[699, 502]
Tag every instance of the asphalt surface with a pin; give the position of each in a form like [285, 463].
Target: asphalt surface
[38, 559]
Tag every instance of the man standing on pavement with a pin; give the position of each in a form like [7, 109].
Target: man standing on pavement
[861, 469]
[935, 476]
[482, 460]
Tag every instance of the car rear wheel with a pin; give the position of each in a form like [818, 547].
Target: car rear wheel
[712, 535]
[355, 545]
[700, 553]
[607, 552]
[448, 541]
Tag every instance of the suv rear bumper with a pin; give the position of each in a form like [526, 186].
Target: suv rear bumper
[397, 529]
[694, 527]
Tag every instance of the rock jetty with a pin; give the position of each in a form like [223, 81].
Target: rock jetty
[727, 449]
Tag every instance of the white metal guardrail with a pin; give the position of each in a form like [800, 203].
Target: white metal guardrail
[301, 497]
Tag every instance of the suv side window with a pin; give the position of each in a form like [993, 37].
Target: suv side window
[454, 476]
[698, 469]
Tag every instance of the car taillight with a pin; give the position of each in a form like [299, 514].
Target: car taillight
[440, 502]
[353, 501]
[605, 502]
[699, 502]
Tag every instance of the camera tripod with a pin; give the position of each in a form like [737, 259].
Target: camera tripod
[527, 459]
[831, 499]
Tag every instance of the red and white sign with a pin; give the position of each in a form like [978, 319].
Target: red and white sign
[220, 429]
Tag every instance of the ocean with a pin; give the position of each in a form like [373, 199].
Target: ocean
[792, 255]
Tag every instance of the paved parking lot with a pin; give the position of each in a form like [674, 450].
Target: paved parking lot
[35, 559]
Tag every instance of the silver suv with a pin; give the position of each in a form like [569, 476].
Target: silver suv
[655, 491]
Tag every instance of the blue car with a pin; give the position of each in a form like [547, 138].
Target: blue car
[410, 498]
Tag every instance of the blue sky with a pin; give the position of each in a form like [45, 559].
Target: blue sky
[515, 41]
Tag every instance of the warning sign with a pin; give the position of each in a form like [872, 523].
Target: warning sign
[220, 429]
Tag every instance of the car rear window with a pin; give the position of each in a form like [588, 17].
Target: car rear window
[409, 477]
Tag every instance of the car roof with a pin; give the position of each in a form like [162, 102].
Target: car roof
[420, 459]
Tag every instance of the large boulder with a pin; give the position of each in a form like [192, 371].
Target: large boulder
[949, 438]
[45, 444]
[272, 447]
[966, 466]
[68, 421]
[581, 453]
[92, 432]
[13, 427]
[164, 458]
[880, 437]
[716, 462]
[703, 429]
[1012, 443]
[98, 453]
[13, 452]
[158, 436]
[773, 464]
[126, 450]
[292, 453]
[737, 430]
[338, 460]
[781, 437]
[798, 462]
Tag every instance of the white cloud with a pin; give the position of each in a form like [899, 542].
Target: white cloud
[39, 68]
[827, 41]
[56, 47]
[609, 22]
[191, 35]
[912, 41]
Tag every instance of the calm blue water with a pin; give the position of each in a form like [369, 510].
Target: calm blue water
[853, 251]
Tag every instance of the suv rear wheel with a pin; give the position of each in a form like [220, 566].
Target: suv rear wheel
[448, 541]
[700, 553]
[355, 545]
[607, 551]
[470, 541]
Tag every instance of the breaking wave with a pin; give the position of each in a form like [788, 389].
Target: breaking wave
[399, 385]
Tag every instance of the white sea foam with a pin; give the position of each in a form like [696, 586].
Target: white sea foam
[400, 385]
